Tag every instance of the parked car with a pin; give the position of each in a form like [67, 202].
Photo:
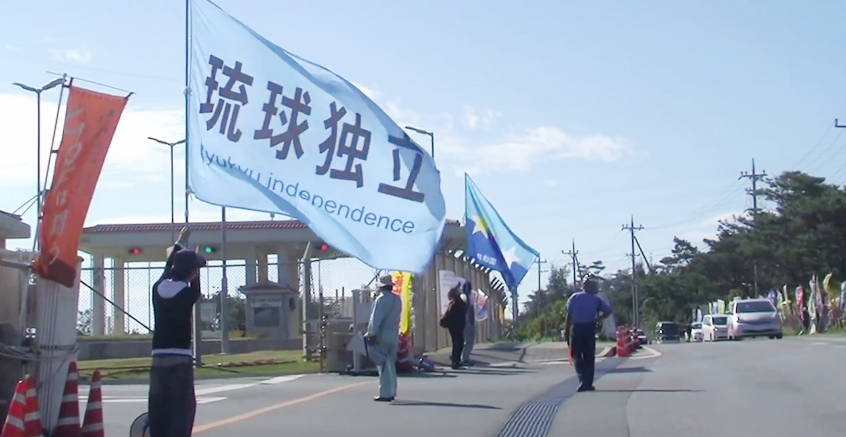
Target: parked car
[753, 318]
[714, 327]
[641, 336]
[667, 332]
[696, 334]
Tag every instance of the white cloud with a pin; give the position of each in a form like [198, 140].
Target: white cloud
[132, 158]
[369, 92]
[479, 118]
[550, 183]
[470, 170]
[12, 48]
[542, 144]
[515, 152]
[80, 55]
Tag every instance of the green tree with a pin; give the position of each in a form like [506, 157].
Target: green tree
[799, 232]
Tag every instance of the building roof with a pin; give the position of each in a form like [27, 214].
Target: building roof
[208, 226]
[12, 226]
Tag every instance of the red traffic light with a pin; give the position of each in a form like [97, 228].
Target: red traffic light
[324, 247]
[135, 251]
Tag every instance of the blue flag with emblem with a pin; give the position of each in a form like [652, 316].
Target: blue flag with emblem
[490, 242]
[272, 132]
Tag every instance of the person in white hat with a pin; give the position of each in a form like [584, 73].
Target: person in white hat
[383, 331]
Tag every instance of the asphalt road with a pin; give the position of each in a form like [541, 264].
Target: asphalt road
[790, 387]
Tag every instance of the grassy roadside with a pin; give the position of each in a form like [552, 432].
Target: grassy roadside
[214, 366]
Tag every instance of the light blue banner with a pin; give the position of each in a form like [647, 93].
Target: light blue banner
[272, 132]
[490, 241]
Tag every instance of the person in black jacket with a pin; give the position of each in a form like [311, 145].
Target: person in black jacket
[172, 403]
[454, 320]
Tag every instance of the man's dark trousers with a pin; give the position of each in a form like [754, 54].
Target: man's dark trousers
[172, 403]
[583, 343]
[457, 337]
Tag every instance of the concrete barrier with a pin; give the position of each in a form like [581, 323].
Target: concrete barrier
[101, 349]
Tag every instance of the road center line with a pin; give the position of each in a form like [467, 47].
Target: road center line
[260, 411]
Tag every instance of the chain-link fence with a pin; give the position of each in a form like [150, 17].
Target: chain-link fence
[334, 279]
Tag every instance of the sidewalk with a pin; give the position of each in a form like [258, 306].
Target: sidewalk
[500, 354]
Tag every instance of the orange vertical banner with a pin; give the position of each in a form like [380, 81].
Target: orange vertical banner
[90, 122]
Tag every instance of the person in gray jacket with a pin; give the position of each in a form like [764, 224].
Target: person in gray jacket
[383, 332]
[469, 327]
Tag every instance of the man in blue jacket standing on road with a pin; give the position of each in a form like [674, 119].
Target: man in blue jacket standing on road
[584, 310]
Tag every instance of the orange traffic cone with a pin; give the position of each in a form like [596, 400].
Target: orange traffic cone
[68, 423]
[14, 425]
[92, 425]
[32, 418]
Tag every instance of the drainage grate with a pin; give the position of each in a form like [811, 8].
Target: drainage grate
[531, 420]
[534, 418]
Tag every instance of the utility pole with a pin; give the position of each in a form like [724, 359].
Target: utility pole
[635, 298]
[539, 297]
[755, 177]
[573, 253]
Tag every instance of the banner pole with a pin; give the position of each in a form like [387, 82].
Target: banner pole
[198, 329]
[224, 288]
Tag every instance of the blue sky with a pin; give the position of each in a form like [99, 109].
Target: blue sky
[570, 116]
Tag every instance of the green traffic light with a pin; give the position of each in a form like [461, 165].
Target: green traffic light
[207, 249]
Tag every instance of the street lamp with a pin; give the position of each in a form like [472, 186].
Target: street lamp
[172, 200]
[431, 135]
[37, 92]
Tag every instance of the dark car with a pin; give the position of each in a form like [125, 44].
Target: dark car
[667, 332]
[641, 336]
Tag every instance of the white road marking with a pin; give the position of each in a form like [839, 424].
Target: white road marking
[208, 400]
[281, 379]
[201, 393]
[653, 354]
[222, 388]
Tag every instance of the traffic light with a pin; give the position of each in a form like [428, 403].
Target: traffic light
[324, 247]
[209, 249]
[135, 251]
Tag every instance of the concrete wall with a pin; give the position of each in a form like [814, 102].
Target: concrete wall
[112, 349]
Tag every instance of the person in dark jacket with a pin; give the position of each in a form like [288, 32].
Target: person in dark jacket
[172, 403]
[454, 320]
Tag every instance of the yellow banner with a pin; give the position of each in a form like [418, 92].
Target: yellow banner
[402, 287]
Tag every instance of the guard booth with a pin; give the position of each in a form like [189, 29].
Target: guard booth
[271, 310]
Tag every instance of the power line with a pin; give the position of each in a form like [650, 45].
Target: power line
[754, 177]
[697, 215]
[643, 255]
[538, 303]
[635, 298]
[573, 253]
[825, 134]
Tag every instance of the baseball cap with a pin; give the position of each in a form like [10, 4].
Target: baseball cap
[187, 260]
